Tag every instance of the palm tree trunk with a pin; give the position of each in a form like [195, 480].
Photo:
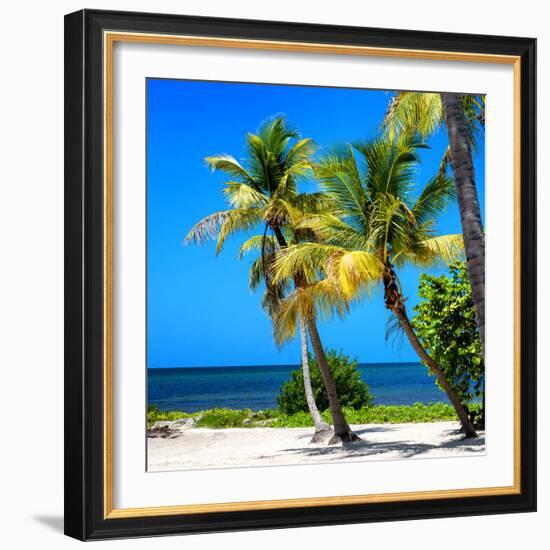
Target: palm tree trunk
[470, 214]
[322, 430]
[342, 431]
[393, 299]
[341, 428]
[432, 365]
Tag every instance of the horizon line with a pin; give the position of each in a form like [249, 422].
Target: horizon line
[275, 365]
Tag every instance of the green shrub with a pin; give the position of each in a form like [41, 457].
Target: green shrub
[223, 418]
[445, 323]
[154, 414]
[351, 390]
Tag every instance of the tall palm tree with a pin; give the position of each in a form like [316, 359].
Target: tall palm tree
[464, 118]
[264, 192]
[311, 298]
[376, 227]
[271, 302]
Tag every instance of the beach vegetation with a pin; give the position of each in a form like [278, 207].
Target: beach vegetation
[352, 391]
[274, 418]
[445, 323]
[377, 226]
[319, 254]
[262, 191]
[155, 414]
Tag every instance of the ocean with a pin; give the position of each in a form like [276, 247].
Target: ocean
[256, 388]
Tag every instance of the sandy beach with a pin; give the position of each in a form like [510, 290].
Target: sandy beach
[197, 448]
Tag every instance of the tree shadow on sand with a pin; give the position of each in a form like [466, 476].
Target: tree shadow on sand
[374, 429]
[403, 448]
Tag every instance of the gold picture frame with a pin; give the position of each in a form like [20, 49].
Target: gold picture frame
[101, 31]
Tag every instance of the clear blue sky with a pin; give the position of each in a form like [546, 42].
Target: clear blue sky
[200, 310]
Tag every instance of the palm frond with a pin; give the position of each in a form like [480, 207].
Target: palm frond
[394, 331]
[255, 274]
[262, 164]
[435, 251]
[275, 133]
[321, 299]
[333, 230]
[301, 152]
[231, 166]
[238, 219]
[445, 162]
[306, 257]
[449, 248]
[208, 228]
[280, 211]
[257, 243]
[413, 113]
[313, 203]
[391, 165]
[391, 224]
[242, 195]
[434, 198]
[474, 112]
[340, 177]
[355, 272]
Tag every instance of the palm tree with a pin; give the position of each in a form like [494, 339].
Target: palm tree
[376, 227]
[271, 302]
[264, 191]
[464, 118]
[310, 299]
[322, 429]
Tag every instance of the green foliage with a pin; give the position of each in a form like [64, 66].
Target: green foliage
[445, 323]
[352, 391]
[378, 414]
[273, 418]
[154, 414]
[223, 418]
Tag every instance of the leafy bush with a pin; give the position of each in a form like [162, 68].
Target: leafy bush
[351, 390]
[445, 323]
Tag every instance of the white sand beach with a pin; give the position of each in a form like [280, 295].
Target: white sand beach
[198, 448]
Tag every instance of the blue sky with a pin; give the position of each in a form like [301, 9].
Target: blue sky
[200, 310]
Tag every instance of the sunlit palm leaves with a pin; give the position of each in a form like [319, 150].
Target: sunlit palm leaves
[222, 224]
[263, 192]
[262, 188]
[413, 113]
[375, 220]
[319, 299]
[421, 114]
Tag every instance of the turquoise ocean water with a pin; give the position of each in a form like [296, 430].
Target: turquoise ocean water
[256, 388]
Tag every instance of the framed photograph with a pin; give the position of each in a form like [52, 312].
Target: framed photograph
[300, 274]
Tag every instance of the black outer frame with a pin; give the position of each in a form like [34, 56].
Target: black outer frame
[84, 517]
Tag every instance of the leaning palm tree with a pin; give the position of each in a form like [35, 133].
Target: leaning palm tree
[376, 227]
[264, 192]
[273, 296]
[464, 118]
[300, 308]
